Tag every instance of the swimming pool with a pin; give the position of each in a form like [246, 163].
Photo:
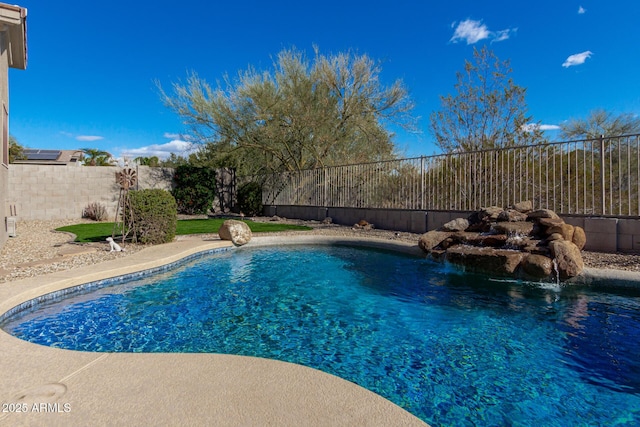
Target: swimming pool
[449, 347]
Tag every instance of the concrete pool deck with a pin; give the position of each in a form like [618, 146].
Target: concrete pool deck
[41, 385]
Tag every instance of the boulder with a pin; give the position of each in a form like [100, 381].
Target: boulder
[458, 224]
[486, 260]
[567, 231]
[510, 228]
[542, 213]
[492, 212]
[512, 215]
[237, 231]
[431, 239]
[554, 236]
[537, 266]
[568, 258]
[550, 222]
[579, 237]
[524, 206]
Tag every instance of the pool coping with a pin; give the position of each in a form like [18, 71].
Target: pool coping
[41, 385]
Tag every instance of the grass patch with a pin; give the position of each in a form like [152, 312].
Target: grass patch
[99, 231]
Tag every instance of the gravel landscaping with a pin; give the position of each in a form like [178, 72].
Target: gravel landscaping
[38, 249]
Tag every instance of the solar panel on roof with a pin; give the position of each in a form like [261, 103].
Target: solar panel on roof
[32, 154]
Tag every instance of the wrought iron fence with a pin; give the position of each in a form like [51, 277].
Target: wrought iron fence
[587, 177]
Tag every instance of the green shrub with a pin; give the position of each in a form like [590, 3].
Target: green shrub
[155, 216]
[250, 198]
[194, 189]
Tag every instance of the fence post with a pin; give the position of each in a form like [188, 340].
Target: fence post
[325, 196]
[602, 175]
[421, 182]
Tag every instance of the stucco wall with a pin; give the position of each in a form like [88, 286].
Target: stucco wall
[42, 192]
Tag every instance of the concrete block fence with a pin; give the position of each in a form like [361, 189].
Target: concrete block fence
[604, 234]
[44, 192]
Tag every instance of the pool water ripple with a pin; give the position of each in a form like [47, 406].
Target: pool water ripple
[452, 348]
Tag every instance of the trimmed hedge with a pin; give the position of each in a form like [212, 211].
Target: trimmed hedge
[194, 189]
[155, 216]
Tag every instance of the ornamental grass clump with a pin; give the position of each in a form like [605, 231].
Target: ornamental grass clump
[95, 211]
[154, 216]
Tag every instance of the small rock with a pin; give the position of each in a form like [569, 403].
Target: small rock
[327, 220]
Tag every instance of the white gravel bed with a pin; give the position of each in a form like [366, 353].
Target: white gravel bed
[36, 250]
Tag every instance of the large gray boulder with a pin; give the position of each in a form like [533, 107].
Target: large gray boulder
[237, 231]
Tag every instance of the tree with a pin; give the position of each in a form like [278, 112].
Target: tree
[152, 161]
[96, 157]
[173, 161]
[16, 151]
[301, 115]
[600, 122]
[487, 111]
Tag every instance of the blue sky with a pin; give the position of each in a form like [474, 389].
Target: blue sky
[92, 65]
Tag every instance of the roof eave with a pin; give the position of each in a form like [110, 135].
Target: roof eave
[13, 19]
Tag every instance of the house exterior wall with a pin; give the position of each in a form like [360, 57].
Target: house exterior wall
[44, 192]
[4, 156]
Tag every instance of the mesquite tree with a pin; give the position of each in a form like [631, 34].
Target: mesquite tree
[302, 114]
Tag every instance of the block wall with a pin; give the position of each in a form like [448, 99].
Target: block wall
[603, 234]
[44, 192]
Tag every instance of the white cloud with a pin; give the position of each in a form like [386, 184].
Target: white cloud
[162, 151]
[177, 136]
[577, 59]
[89, 138]
[530, 127]
[581, 10]
[503, 35]
[471, 32]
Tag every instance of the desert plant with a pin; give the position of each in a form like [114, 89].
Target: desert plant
[95, 211]
[250, 198]
[154, 216]
[194, 189]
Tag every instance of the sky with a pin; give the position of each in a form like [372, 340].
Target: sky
[93, 67]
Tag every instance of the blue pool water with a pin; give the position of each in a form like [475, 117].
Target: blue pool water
[452, 348]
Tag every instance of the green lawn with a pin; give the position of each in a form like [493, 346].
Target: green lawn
[99, 231]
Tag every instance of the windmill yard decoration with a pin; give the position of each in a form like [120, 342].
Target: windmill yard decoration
[127, 178]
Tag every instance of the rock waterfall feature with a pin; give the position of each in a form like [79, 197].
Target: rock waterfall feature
[517, 241]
